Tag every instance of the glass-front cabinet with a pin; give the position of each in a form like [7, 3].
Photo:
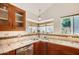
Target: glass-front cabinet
[4, 21]
[3, 12]
[19, 19]
[12, 18]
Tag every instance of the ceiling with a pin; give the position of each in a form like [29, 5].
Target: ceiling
[34, 7]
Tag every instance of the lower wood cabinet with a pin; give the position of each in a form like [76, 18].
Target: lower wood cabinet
[10, 53]
[39, 48]
[44, 48]
[55, 49]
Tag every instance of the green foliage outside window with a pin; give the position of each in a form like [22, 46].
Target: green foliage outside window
[66, 22]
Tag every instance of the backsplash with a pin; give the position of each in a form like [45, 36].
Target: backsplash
[11, 33]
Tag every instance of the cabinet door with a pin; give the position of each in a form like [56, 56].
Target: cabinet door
[4, 17]
[10, 53]
[19, 22]
[36, 48]
[55, 49]
[40, 48]
[11, 17]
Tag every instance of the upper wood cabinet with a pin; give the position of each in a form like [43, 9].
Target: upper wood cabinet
[12, 18]
[19, 19]
[4, 17]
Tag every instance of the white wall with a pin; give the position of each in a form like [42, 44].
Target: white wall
[58, 10]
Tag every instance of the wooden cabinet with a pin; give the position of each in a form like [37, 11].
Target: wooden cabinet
[39, 48]
[4, 17]
[45, 48]
[10, 53]
[12, 18]
[55, 49]
[19, 23]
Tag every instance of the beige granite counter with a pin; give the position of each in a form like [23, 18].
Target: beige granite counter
[15, 43]
[13, 46]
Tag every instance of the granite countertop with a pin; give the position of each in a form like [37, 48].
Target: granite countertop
[65, 43]
[11, 43]
[15, 45]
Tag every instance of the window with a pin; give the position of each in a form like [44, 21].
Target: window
[76, 24]
[42, 29]
[34, 29]
[31, 27]
[46, 28]
[50, 29]
[66, 25]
